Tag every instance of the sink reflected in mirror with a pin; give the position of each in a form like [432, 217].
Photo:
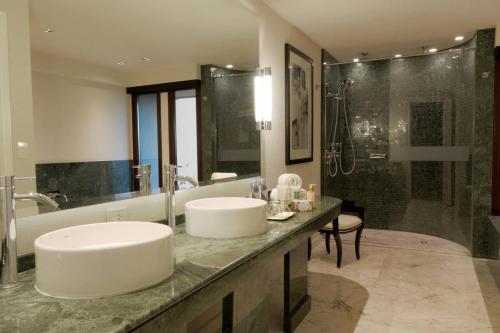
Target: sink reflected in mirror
[226, 217]
[103, 259]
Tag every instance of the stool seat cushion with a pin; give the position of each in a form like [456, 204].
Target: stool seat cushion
[345, 222]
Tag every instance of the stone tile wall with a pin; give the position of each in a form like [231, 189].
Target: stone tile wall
[442, 100]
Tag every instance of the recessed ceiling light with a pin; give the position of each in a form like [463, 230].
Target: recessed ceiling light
[324, 63]
[432, 50]
[146, 59]
[398, 55]
[355, 59]
[459, 38]
[229, 66]
[121, 63]
[49, 30]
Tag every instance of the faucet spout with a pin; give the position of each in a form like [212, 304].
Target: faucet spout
[190, 180]
[169, 179]
[38, 197]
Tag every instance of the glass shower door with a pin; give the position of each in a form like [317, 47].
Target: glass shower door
[417, 112]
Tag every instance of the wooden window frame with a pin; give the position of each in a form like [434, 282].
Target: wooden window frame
[157, 89]
[495, 193]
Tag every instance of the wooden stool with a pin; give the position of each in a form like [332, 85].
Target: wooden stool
[352, 220]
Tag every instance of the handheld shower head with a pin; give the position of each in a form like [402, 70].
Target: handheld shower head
[347, 83]
[344, 84]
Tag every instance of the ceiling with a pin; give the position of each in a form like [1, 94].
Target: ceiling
[168, 32]
[346, 28]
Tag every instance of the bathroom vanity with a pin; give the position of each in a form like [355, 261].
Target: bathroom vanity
[247, 284]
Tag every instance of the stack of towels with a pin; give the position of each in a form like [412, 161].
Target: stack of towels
[289, 179]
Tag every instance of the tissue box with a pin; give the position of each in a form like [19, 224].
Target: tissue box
[301, 205]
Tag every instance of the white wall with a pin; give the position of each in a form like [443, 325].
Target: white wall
[92, 103]
[170, 73]
[77, 120]
[20, 87]
[6, 161]
[81, 111]
[274, 33]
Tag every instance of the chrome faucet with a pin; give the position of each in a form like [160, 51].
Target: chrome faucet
[8, 235]
[8, 250]
[37, 197]
[169, 180]
[144, 176]
[58, 196]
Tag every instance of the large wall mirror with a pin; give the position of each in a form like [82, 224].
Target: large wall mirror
[120, 83]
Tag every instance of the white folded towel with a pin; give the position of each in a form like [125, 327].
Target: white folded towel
[223, 175]
[290, 179]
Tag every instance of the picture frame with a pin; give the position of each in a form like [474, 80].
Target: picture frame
[299, 86]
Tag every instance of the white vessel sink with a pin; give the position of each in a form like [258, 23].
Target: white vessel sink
[226, 217]
[103, 259]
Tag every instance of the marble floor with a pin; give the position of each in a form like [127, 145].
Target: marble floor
[403, 283]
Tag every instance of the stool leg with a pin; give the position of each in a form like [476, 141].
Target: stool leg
[358, 241]
[339, 249]
[309, 248]
[327, 242]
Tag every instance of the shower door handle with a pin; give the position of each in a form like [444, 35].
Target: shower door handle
[374, 156]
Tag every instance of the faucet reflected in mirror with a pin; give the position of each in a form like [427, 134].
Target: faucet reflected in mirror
[144, 177]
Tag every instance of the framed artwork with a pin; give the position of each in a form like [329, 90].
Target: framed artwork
[298, 106]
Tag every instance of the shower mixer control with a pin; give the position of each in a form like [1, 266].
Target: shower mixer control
[337, 149]
[328, 156]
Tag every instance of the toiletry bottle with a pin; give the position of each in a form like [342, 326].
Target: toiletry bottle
[283, 196]
[254, 188]
[311, 195]
[264, 194]
[295, 192]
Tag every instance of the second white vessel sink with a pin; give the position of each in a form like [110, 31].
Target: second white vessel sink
[226, 217]
[103, 259]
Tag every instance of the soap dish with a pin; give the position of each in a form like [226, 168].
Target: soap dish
[281, 216]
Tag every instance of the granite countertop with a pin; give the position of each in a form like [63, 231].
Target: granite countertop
[200, 261]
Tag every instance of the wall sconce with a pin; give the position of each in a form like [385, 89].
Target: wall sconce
[263, 92]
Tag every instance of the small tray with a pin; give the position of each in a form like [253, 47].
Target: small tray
[282, 216]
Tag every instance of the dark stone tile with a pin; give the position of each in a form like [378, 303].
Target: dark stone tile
[230, 140]
[484, 239]
[437, 100]
[84, 182]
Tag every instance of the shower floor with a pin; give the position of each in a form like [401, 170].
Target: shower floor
[434, 218]
[403, 283]
[406, 240]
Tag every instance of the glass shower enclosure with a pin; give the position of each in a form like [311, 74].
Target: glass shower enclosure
[411, 123]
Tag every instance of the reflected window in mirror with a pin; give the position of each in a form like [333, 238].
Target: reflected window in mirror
[166, 129]
[147, 133]
[187, 153]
